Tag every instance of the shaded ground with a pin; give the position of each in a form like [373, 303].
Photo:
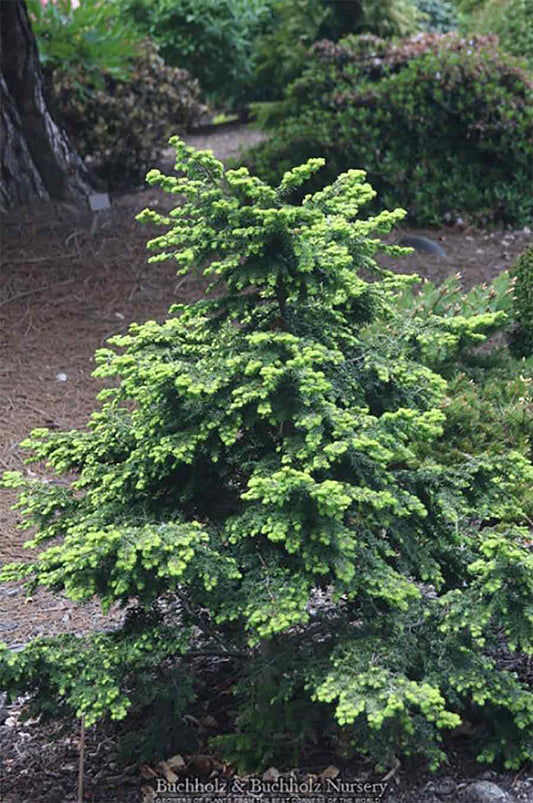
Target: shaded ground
[68, 281]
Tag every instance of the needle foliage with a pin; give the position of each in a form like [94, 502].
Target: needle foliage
[263, 483]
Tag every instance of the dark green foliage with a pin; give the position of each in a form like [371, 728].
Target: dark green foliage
[109, 88]
[443, 125]
[441, 15]
[521, 338]
[282, 50]
[510, 20]
[243, 50]
[268, 482]
[121, 122]
[213, 39]
[88, 37]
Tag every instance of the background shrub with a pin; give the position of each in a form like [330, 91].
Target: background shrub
[521, 340]
[510, 20]
[89, 37]
[121, 122]
[213, 39]
[242, 50]
[109, 88]
[443, 125]
[282, 50]
[440, 15]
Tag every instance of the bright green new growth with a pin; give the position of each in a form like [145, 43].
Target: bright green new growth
[268, 448]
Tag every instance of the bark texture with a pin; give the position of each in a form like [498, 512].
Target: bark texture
[36, 159]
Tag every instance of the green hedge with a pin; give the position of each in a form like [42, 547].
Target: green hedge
[443, 125]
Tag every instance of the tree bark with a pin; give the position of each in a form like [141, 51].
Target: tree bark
[36, 160]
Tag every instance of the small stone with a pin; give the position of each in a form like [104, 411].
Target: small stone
[446, 786]
[487, 775]
[485, 792]
[271, 774]
[61, 377]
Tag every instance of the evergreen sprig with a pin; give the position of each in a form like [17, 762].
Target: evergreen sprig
[272, 445]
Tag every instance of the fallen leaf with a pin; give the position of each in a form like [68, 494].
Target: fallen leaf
[204, 765]
[147, 772]
[177, 762]
[167, 771]
[330, 772]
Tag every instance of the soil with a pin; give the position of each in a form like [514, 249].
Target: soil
[69, 279]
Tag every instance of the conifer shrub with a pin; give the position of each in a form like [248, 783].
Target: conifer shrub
[119, 121]
[490, 405]
[263, 484]
[440, 15]
[443, 125]
[521, 338]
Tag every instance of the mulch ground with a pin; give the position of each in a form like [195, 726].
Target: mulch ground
[68, 281]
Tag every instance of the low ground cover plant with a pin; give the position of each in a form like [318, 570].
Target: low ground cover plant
[265, 483]
[442, 124]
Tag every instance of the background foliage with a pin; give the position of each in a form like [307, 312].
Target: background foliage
[510, 20]
[242, 50]
[89, 37]
[464, 110]
[283, 48]
[521, 342]
[440, 15]
[213, 39]
[111, 91]
[121, 123]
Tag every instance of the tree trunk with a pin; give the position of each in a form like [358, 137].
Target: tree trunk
[36, 159]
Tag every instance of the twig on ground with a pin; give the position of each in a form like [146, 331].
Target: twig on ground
[26, 293]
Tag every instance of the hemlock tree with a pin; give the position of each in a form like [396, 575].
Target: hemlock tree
[36, 159]
[263, 484]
